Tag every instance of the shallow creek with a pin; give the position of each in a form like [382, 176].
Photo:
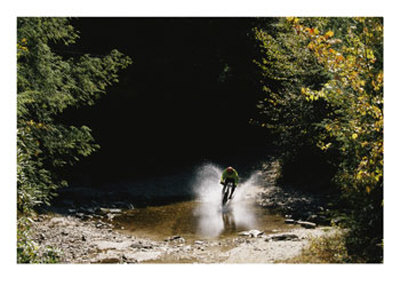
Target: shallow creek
[195, 220]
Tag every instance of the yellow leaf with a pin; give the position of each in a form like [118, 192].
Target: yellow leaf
[329, 34]
[354, 136]
[368, 189]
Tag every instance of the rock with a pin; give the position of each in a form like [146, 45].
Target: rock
[175, 237]
[109, 210]
[255, 233]
[251, 233]
[312, 218]
[290, 221]
[284, 236]
[143, 256]
[80, 215]
[129, 259]
[307, 225]
[199, 242]
[107, 258]
[57, 221]
[90, 211]
[108, 245]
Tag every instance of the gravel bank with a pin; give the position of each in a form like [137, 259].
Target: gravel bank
[95, 241]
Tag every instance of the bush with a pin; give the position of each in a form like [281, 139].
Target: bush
[330, 248]
[47, 84]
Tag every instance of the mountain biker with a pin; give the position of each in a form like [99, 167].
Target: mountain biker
[230, 175]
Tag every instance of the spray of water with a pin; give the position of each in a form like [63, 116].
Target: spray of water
[213, 218]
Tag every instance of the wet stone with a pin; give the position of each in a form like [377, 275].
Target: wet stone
[307, 225]
[251, 233]
[284, 236]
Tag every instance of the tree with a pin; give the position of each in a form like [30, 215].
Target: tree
[338, 113]
[47, 84]
[286, 65]
[355, 126]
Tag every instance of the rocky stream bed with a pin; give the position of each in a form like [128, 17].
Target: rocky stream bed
[86, 231]
[92, 240]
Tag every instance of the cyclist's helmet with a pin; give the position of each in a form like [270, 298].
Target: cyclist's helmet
[229, 170]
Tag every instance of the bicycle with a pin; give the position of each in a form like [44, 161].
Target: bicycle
[226, 191]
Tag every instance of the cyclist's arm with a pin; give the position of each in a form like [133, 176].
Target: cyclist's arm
[236, 177]
[223, 176]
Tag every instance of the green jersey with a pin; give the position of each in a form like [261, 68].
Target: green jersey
[234, 175]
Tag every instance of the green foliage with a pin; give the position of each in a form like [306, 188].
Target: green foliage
[286, 65]
[47, 84]
[330, 248]
[340, 113]
[28, 251]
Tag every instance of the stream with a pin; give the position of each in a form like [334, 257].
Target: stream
[166, 229]
[193, 221]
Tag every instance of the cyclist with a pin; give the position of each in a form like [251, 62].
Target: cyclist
[230, 175]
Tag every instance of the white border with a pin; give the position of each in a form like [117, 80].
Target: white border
[197, 282]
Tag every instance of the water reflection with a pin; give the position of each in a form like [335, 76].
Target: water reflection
[229, 221]
[213, 219]
[204, 217]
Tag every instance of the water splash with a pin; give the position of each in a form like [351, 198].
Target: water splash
[213, 218]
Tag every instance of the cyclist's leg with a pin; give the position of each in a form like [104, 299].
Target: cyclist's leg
[233, 186]
[233, 189]
[223, 183]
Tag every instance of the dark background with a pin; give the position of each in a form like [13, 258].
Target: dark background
[187, 98]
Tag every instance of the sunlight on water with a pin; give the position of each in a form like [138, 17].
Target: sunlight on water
[212, 218]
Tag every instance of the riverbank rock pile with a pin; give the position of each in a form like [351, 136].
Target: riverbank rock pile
[92, 240]
[84, 240]
[305, 209]
[276, 247]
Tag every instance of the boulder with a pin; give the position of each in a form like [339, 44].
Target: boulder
[251, 233]
[256, 233]
[107, 245]
[107, 258]
[307, 225]
[57, 221]
[284, 236]
[109, 210]
[175, 237]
